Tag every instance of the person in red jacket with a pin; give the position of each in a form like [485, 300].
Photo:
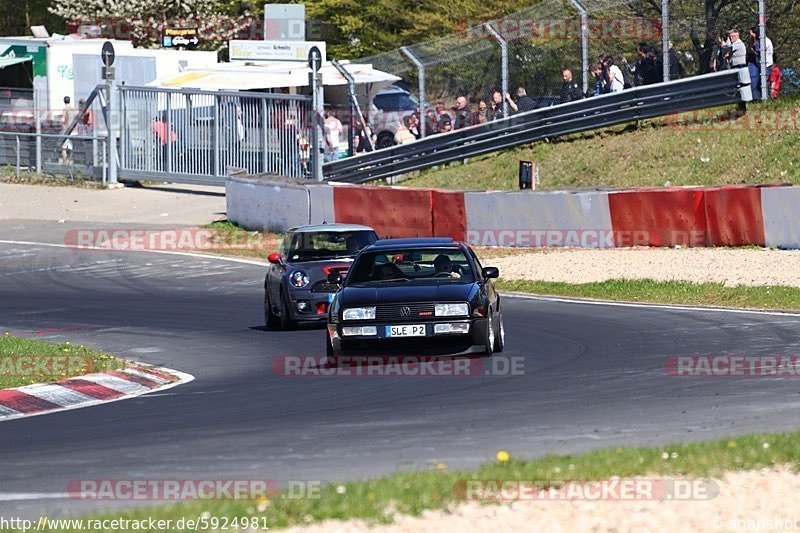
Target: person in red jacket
[775, 79]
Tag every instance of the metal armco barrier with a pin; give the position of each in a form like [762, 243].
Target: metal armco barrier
[649, 101]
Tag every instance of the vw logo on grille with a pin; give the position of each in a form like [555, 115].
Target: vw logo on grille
[405, 311]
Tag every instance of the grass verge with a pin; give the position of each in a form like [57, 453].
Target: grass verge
[411, 493]
[26, 361]
[778, 297]
[706, 147]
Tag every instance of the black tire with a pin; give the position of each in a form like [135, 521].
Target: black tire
[286, 323]
[500, 334]
[490, 336]
[271, 320]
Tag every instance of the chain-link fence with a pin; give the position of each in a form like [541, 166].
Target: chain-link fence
[525, 54]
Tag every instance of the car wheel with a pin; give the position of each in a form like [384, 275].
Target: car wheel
[500, 336]
[286, 322]
[490, 336]
[270, 318]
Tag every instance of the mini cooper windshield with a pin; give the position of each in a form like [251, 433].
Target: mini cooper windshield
[424, 265]
[311, 246]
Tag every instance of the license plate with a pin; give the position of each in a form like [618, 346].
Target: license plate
[406, 331]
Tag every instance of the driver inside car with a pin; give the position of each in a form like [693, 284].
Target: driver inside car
[443, 265]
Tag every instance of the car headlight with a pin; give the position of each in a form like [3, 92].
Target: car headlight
[359, 313]
[451, 309]
[299, 278]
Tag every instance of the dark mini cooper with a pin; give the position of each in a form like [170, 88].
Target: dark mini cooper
[296, 286]
[426, 296]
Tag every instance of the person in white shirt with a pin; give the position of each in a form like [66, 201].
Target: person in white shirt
[333, 132]
[616, 82]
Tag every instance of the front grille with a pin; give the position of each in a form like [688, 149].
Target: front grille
[324, 286]
[392, 312]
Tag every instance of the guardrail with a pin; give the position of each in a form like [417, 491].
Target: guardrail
[649, 101]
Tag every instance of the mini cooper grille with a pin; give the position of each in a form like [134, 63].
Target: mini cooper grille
[324, 286]
[394, 312]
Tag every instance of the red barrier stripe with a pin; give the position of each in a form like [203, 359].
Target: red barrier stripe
[449, 214]
[149, 383]
[392, 212]
[91, 389]
[734, 216]
[665, 217]
[25, 403]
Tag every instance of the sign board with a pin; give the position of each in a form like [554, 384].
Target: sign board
[107, 54]
[284, 22]
[180, 37]
[273, 50]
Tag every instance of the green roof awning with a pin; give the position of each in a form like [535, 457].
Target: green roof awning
[7, 61]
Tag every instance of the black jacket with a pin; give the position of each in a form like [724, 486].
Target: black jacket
[570, 92]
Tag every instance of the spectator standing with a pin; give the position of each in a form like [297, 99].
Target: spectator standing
[599, 79]
[722, 53]
[496, 110]
[411, 122]
[86, 123]
[615, 79]
[643, 69]
[481, 116]
[431, 122]
[569, 89]
[524, 102]
[770, 53]
[676, 70]
[444, 122]
[738, 50]
[463, 114]
[775, 78]
[67, 117]
[333, 132]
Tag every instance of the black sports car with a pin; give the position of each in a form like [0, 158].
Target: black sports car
[296, 286]
[426, 296]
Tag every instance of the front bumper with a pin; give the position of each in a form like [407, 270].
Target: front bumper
[431, 344]
[316, 305]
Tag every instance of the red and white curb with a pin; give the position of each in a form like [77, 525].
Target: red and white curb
[88, 390]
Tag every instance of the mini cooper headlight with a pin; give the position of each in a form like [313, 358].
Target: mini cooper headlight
[299, 278]
[359, 313]
[451, 309]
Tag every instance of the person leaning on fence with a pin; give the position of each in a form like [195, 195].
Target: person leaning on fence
[164, 135]
[524, 102]
[463, 114]
[569, 89]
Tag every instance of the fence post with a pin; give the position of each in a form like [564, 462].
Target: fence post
[112, 145]
[317, 134]
[123, 128]
[18, 152]
[421, 77]
[762, 39]
[215, 155]
[38, 122]
[503, 63]
[665, 38]
[168, 166]
[584, 43]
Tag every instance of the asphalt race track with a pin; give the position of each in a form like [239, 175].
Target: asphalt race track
[593, 377]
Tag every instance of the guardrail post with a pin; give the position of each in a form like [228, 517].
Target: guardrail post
[421, 77]
[503, 65]
[665, 38]
[18, 153]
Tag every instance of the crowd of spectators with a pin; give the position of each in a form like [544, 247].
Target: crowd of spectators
[732, 52]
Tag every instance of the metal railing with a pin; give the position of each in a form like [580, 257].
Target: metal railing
[196, 136]
[72, 155]
[644, 102]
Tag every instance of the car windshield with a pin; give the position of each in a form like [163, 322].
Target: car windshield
[446, 265]
[308, 246]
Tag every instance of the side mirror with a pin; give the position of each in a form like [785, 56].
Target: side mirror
[275, 258]
[335, 278]
[490, 272]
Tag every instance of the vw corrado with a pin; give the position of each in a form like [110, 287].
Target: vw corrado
[296, 286]
[427, 296]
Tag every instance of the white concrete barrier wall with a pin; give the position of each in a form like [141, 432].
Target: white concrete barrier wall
[780, 207]
[267, 206]
[535, 219]
[321, 203]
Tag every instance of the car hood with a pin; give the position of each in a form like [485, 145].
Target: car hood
[407, 292]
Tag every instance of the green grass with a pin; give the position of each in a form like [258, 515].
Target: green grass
[667, 292]
[238, 242]
[26, 361]
[411, 493]
[698, 148]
